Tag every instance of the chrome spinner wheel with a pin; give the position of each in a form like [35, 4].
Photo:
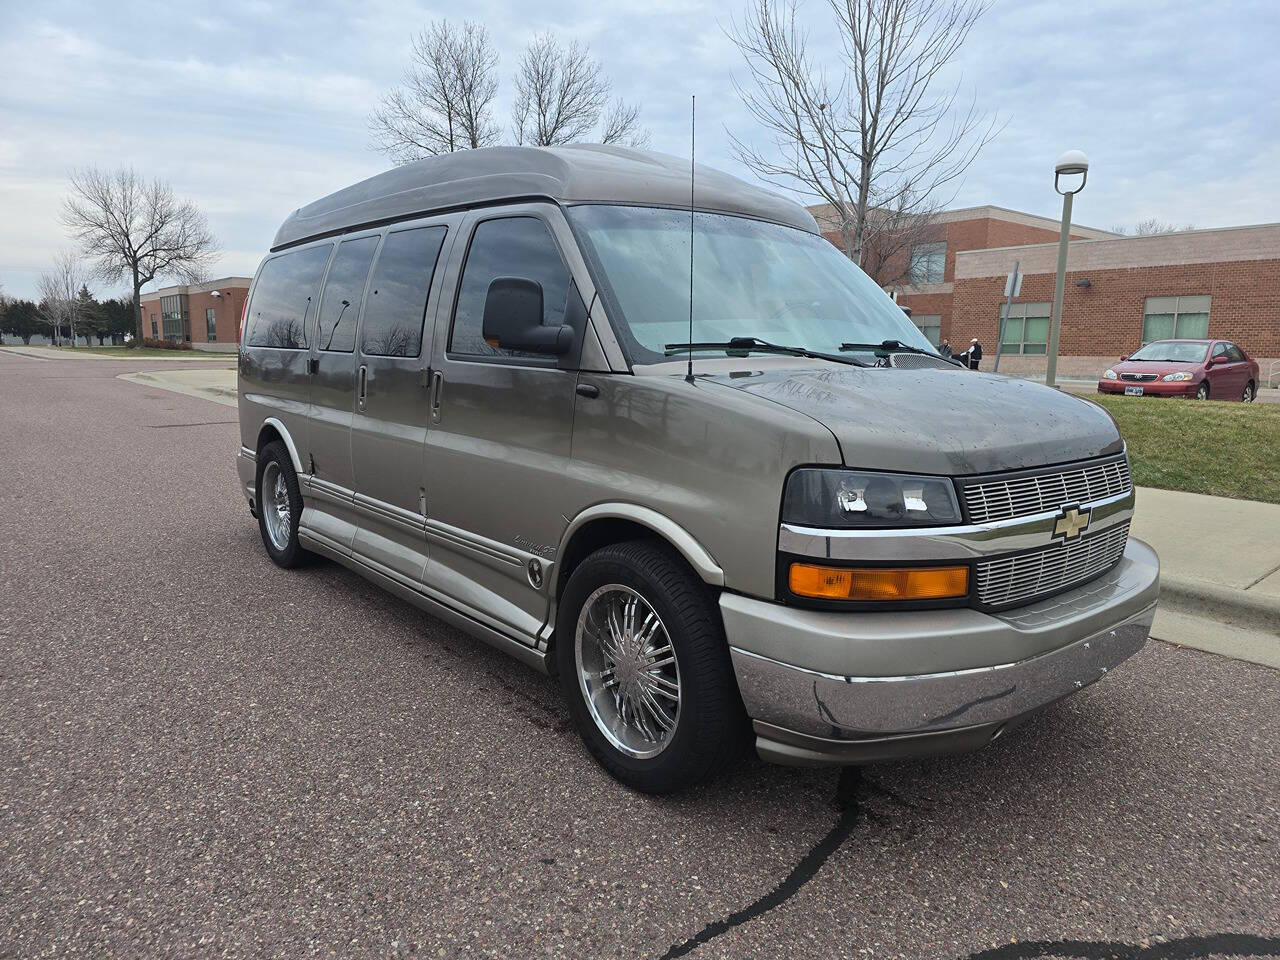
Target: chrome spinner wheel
[627, 671]
[275, 506]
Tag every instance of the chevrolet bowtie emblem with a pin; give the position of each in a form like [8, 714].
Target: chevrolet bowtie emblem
[1071, 523]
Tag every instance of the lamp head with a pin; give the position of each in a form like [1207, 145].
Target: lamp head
[215, 293]
[1072, 162]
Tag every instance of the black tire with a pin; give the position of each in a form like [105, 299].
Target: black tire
[1250, 391]
[1202, 391]
[711, 725]
[290, 554]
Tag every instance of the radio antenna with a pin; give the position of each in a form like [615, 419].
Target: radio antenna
[693, 141]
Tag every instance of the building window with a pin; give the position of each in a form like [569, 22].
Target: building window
[1169, 318]
[928, 263]
[174, 317]
[1027, 330]
[931, 327]
[155, 330]
[210, 325]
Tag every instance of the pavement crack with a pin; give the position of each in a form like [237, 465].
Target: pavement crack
[804, 871]
[1183, 948]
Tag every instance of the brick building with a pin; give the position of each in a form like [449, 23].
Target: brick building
[1120, 291]
[206, 315]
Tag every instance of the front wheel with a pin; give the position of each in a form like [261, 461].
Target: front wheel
[1202, 391]
[1249, 393]
[644, 666]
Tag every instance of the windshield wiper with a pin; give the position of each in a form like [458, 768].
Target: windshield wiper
[886, 347]
[756, 345]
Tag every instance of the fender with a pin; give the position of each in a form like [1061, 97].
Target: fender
[288, 442]
[668, 529]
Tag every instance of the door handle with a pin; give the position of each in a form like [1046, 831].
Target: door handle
[437, 387]
[364, 384]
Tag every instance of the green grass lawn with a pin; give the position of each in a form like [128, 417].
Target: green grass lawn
[1222, 449]
[149, 353]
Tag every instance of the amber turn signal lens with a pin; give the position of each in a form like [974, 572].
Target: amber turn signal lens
[845, 583]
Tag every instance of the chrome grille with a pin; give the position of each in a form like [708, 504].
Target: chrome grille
[1144, 377]
[1025, 577]
[997, 499]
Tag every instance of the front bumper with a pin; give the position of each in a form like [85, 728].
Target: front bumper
[1153, 388]
[826, 687]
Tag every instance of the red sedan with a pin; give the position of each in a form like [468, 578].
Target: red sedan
[1203, 369]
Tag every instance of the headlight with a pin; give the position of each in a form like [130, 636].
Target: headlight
[1175, 377]
[1110, 375]
[850, 498]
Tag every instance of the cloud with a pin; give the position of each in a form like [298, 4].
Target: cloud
[253, 108]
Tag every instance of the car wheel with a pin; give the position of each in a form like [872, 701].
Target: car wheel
[1249, 393]
[279, 506]
[643, 663]
[1202, 391]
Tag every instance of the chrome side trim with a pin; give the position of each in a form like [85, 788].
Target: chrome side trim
[390, 513]
[961, 542]
[387, 579]
[250, 455]
[487, 549]
[325, 490]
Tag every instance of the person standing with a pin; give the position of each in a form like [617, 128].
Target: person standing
[974, 353]
[944, 349]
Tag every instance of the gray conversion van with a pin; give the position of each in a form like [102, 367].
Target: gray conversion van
[764, 508]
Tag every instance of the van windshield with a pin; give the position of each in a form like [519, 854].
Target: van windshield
[751, 279]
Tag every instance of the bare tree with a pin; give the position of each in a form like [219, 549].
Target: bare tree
[562, 94]
[444, 102]
[59, 289]
[878, 131]
[1150, 227]
[129, 227]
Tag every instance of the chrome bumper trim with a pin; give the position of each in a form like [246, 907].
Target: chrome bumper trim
[852, 707]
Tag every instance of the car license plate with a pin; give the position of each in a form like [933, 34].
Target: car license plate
[1133, 391]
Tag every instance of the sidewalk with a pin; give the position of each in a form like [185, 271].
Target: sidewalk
[1219, 572]
[1086, 387]
[216, 385]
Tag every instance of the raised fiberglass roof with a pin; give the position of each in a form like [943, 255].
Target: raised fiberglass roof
[584, 172]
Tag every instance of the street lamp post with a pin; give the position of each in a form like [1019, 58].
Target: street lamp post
[1073, 163]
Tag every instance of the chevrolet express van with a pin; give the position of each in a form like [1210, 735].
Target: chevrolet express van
[758, 509]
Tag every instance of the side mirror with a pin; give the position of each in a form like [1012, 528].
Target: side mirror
[1221, 358]
[513, 319]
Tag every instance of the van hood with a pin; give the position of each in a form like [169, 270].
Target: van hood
[951, 423]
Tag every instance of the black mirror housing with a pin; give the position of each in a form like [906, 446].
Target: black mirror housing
[513, 319]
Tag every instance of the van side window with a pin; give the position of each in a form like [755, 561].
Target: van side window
[343, 291]
[507, 247]
[284, 298]
[397, 299]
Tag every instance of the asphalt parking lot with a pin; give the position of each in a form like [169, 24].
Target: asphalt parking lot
[204, 755]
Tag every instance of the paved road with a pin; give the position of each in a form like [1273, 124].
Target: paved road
[203, 755]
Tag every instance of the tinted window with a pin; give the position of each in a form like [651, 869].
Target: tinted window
[343, 290]
[509, 247]
[397, 299]
[1219, 350]
[284, 296]
[1234, 352]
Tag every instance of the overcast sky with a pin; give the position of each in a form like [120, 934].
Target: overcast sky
[252, 107]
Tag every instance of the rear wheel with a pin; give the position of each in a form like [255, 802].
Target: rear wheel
[279, 506]
[1202, 391]
[644, 666]
[1249, 392]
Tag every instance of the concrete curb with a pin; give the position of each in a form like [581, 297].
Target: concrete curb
[1220, 603]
